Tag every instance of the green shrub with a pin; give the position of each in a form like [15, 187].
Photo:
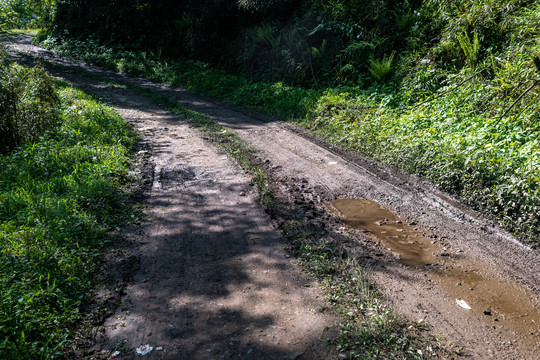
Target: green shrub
[471, 48]
[29, 105]
[17, 14]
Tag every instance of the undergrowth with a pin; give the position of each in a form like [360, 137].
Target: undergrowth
[29, 104]
[59, 195]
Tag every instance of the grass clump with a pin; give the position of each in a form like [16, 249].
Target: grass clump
[381, 69]
[59, 194]
[368, 328]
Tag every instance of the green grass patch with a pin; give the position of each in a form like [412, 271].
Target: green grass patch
[29, 104]
[368, 328]
[59, 195]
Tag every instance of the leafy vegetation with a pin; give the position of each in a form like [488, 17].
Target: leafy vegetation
[24, 14]
[60, 192]
[29, 104]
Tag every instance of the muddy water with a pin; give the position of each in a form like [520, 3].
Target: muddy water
[498, 302]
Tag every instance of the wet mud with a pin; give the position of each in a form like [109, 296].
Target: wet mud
[497, 301]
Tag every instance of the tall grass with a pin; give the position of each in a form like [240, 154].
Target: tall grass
[59, 195]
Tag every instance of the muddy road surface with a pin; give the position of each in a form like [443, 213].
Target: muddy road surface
[213, 272]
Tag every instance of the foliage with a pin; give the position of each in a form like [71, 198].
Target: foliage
[196, 28]
[470, 47]
[381, 69]
[58, 195]
[29, 104]
[17, 14]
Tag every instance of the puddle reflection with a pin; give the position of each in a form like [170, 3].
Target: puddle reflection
[497, 301]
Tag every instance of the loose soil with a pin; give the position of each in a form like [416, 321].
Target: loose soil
[213, 280]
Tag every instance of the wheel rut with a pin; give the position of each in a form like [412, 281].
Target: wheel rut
[213, 265]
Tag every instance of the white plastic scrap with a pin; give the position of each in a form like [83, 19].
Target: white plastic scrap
[144, 349]
[463, 304]
[115, 354]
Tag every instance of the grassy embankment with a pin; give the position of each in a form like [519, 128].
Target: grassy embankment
[470, 125]
[63, 171]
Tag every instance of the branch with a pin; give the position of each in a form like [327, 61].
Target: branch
[446, 92]
[536, 82]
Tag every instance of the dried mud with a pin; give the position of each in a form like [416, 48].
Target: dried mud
[211, 262]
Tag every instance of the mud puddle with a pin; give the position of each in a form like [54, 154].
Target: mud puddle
[500, 303]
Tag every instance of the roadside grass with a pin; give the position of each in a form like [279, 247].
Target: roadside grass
[368, 327]
[468, 139]
[59, 196]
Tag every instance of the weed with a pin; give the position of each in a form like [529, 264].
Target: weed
[381, 69]
[29, 104]
[368, 329]
[471, 48]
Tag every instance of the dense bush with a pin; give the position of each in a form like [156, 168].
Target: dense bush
[292, 40]
[194, 28]
[28, 104]
[17, 14]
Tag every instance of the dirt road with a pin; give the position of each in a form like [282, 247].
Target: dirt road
[213, 274]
